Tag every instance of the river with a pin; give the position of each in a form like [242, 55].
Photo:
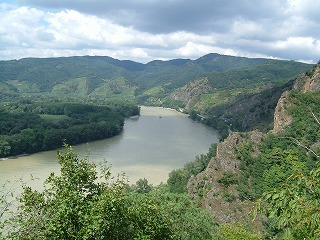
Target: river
[151, 145]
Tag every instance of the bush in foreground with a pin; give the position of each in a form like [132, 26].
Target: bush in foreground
[84, 202]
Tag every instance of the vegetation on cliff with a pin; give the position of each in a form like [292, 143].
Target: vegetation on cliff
[279, 168]
[230, 92]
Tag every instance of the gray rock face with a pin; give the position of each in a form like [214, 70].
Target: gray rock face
[223, 202]
[282, 117]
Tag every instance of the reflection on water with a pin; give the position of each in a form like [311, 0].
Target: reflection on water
[151, 146]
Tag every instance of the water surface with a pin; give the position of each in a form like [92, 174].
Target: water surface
[151, 146]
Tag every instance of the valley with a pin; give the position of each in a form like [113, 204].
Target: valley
[265, 166]
[215, 86]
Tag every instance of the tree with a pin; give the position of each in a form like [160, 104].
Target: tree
[80, 204]
[295, 206]
[4, 148]
[234, 231]
[178, 180]
[84, 202]
[142, 186]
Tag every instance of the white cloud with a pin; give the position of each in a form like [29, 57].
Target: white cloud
[304, 7]
[31, 32]
[193, 50]
[39, 32]
[299, 44]
[20, 25]
[246, 28]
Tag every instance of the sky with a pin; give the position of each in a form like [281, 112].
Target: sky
[146, 30]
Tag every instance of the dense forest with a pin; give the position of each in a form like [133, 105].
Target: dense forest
[84, 202]
[273, 175]
[28, 127]
[269, 177]
[214, 86]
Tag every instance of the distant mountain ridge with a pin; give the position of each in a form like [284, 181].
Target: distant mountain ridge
[46, 72]
[159, 83]
[248, 163]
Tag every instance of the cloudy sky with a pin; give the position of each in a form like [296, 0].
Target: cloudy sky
[144, 30]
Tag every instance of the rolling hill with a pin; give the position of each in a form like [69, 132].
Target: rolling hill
[210, 85]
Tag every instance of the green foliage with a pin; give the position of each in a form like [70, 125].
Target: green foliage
[83, 202]
[285, 154]
[249, 108]
[311, 71]
[185, 218]
[28, 127]
[179, 178]
[228, 197]
[278, 72]
[295, 206]
[142, 186]
[286, 172]
[245, 98]
[219, 124]
[236, 231]
[305, 128]
[227, 179]
[105, 77]
[270, 168]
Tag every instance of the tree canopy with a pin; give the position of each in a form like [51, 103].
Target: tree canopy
[84, 202]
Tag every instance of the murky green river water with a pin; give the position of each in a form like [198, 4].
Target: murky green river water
[150, 146]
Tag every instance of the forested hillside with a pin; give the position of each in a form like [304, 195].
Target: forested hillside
[273, 173]
[29, 127]
[111, 78]
[230, 92]
[280, 168]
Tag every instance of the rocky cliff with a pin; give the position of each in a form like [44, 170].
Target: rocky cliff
[192, 90]
[282, 116]
[310, 82]
[216, 186]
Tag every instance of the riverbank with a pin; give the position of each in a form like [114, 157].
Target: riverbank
[32, 130]
[156, 111]
[148, 147]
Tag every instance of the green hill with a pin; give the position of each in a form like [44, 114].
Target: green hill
[274, 174]
[31, 75]
[162, 83]
[43, 99]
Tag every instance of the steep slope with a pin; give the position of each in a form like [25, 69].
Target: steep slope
[191, 91]
[247, 164]
[149, 83]
[310, 82]
[244, 99]
[217, 185]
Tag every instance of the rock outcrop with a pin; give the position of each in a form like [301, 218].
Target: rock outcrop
[282, 117]
[224, 202]
[309, 82]
[190, 91]
[210, 187]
